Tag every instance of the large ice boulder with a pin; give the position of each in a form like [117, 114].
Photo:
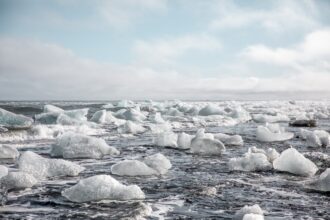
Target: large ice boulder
[73, 145]
[3, 171]
[246, 210]
[11, 120]
[272, 132]
[41, 167]
[316, 138]
[99, 117]
[131, 128]
[18, 180]
[52, 108]
[211, 109]
[184, 140]
[152, 165]
[133, 114]
[205, 144]
[166, 139]
[102, 187]
[8, 152]
[252, 161]
[157, 118]
[322, 183]
[233, 140]
[294, 162]
[60, 116]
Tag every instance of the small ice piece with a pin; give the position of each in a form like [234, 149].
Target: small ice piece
[72, 145]
[272, 154]
[252, 216]
[322, 183]
[166, 139]
[8, 152]
[272, 132]
[99, 117]
[206, 145]
[158, 162]
[69, 117]
[174, 112]
[260, 118]
[157, 118]
[18, 180]
[210, 109]
[131, 127]
[315, 138]
[132, 168]
[233, 140]
[294, 162]
[52, 108]
[3, 171]
[41, 167]
[10, 120]
[101, 187]
[184, 140]
[252, 161]
[240, 113]
[255, 209]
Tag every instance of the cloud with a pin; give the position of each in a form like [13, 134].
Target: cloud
[166, 50]
[282, 15]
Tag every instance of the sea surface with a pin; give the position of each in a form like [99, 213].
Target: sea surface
[187, 191]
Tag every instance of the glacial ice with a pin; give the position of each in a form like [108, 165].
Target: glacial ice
[294, 162]
[233, 140]
[157, 118]
[41, 167]
[59, 116]
[205, 144]
[158, 162]
[166, 139]
[322, 183]
[18, 180]
[102, 187]
[261, 118]
[132, 168]
[316, 138]
[8, 152]
[73, 145]
[131, 127]
[52, 108]
[211, 109]
[272, 132]
[184, 140]
[3, 171]
[99, 117]
[252, 216]
[11, 120]
[255, 209]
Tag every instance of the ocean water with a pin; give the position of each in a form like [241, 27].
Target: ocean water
[183, 192]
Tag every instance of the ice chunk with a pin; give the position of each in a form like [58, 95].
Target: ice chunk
[202, 144]
[157, 118]
[8, 152]
[99, 117]
[250, 162]
[102, 187]
[41, 167]
[10, 120]
[18, 180]
[166, 139]
[131, 127]
[234, 140]
[132, 168]
[322, 183]
[69, 117]
[125, 104]
[270, 118]
[292, 161]
[255, 209]
[133, 115]
[211, 109]
[252, 216]
[240, 114]
[272, 132]
[3, 171]
[72, 145]
[272, 154]
[315, 138]
[160, 128]
[158, 162]
[52, 108]
[184, 140]
[174, 112]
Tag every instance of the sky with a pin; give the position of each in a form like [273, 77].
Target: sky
[164, 49]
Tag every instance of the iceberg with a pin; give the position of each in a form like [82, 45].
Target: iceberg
[246, 210]
[99, 117]
[14, 121]
[8, 152]
[272, 132]
[72, 145]
[233, 140]
[166, 139]
[184, 140]
[41, 167]
[3, 171]
[205, 144]
[131, 127]
[18, 180]
[322, 183]
[102, 187]
[292, 161]
[60, 116]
